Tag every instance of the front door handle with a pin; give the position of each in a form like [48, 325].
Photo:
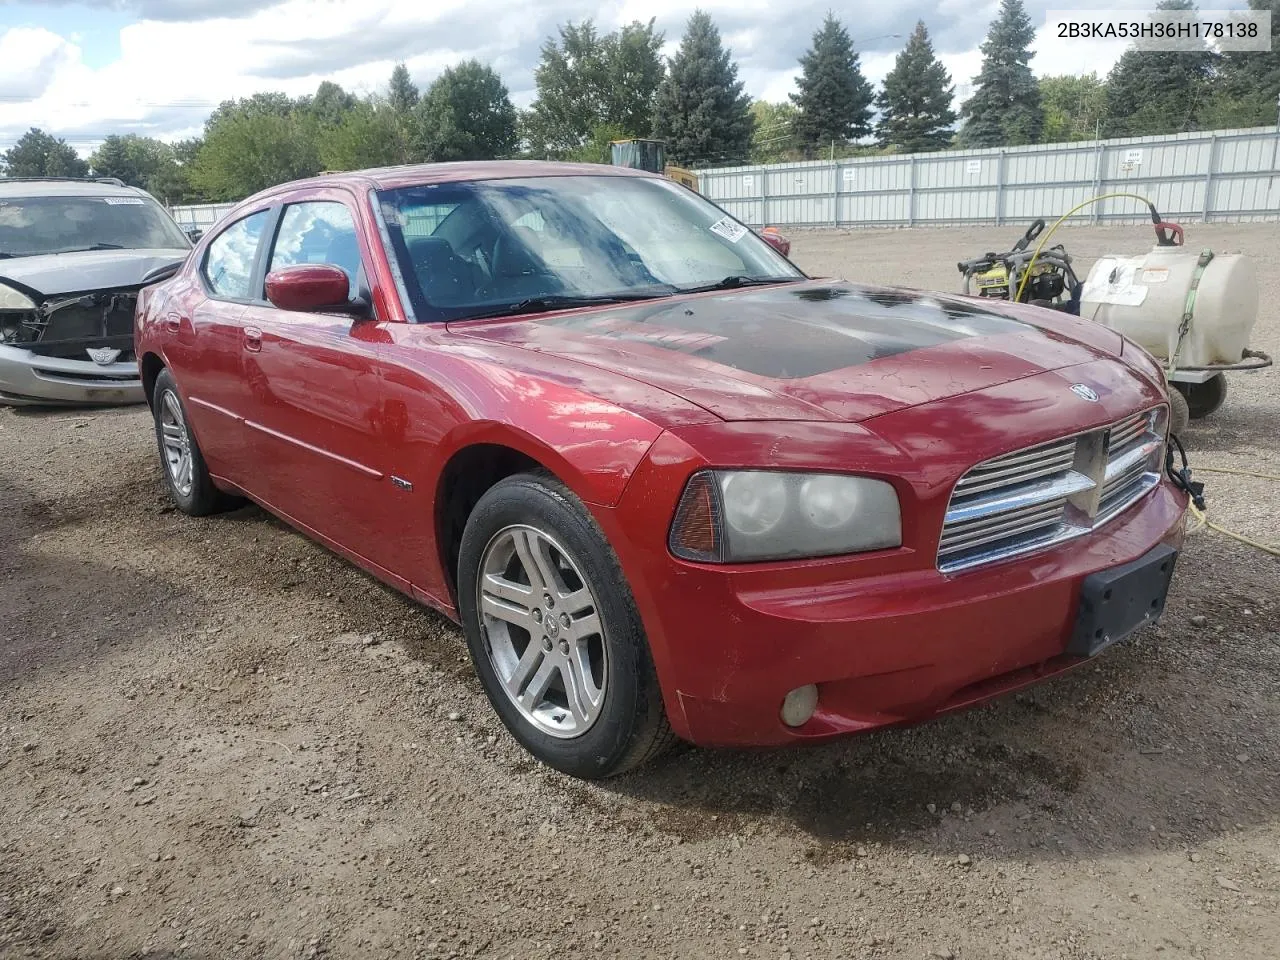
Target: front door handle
[252, 339]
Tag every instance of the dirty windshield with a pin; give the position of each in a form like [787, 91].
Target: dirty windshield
[478, 249]
[33, 226]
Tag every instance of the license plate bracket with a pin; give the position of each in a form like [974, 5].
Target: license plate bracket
[1116, 602]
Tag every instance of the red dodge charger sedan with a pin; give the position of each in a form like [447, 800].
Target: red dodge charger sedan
[669, 485]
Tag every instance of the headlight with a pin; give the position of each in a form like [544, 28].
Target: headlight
[732, 516]
[11, 299]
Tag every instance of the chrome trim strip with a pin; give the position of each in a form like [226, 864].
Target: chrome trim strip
[1044, 492]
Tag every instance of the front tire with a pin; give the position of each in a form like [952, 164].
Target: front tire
[185, 474]
[1204, 398]
[554, 632]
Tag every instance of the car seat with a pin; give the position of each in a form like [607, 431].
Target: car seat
[518, 271]
[445, 278]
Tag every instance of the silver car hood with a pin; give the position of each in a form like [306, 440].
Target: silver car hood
[59, 273]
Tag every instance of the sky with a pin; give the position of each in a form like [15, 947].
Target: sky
[85, 69]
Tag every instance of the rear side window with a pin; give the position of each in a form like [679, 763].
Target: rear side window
[228, 266]
[317, 232]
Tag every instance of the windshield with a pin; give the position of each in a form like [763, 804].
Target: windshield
[484, 248]
[32, 226]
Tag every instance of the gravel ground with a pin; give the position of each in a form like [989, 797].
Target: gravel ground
[219, 741]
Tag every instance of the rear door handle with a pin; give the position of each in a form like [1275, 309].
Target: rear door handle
[172, 323]
[252, 339]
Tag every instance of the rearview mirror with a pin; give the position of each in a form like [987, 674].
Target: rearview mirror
[313, 288]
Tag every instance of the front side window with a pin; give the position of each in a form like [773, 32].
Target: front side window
[228, 265]
[35, 226]
[317, 232]
[481, 248]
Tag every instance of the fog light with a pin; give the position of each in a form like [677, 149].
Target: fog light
[799, 705]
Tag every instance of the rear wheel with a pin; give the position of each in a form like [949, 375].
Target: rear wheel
[554, 632]
[1204, 398]
[190, 486]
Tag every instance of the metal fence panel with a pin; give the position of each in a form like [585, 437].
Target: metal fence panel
[1213, 175]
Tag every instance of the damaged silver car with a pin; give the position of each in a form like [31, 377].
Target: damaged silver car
[73, 256]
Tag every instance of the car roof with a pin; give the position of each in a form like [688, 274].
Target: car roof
[423, 173]
[65, 187]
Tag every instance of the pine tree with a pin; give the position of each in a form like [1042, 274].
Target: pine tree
[1158, 91]
[702, 112]
[1005, 108]
[915, 104]
[39, 154]
[1249, 84]
[835, 98]
[403, 95]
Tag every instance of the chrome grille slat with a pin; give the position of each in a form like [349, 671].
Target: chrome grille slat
[1019, 473]
[993, 529]
[1041, 495]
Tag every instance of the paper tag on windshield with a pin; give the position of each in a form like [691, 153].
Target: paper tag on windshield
[123, 201]
[730, 229]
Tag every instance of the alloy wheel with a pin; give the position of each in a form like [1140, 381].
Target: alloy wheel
[542, 631]
[177, 444]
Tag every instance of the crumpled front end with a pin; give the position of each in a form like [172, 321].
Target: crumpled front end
[68, 349]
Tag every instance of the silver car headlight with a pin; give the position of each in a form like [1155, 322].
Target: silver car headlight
[733, 516]
[11, 299]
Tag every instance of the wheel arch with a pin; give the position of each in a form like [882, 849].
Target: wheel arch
[150, 365]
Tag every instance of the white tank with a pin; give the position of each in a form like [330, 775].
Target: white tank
[1144, 298]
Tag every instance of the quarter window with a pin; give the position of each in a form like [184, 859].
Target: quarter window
[319, 232]
[228, 266]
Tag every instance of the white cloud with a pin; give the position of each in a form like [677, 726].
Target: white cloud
[172, 71]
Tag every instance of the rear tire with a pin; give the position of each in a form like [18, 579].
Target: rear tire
[554, 632]
[185, 474]
[1204, 398]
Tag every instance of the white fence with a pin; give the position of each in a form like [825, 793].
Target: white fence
[1219, 175]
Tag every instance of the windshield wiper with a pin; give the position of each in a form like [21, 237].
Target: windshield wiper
[7, 256]
[96, 246]
[738, 280]
[562, 302]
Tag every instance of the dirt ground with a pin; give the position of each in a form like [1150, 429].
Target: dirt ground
[219, 741]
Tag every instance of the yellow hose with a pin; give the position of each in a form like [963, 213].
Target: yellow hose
[1026, 274]
[1203, 521]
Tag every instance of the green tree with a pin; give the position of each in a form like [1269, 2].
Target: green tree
[252, 144]
[329, 105]
[1075, 107]
[143, 162]
[403, 94]
[915, 104]
[1005, 108]
[40, 154]
[370, 134]
[701, 110]
[834, 98]
[586, 82]
[1249, 83]
[466, 114]
[1156, 91]
[771, 137]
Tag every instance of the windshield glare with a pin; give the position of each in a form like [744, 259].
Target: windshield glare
[32, 226]
[479, 248]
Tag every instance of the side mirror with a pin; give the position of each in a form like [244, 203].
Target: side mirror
[313, 288]
[771, 236]
[193, 234]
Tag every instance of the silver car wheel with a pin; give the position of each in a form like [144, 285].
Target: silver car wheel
[177, 444]
[542, 630]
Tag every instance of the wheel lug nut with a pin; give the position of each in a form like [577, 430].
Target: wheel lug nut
[537, 614]
[546, 644]
[565, 621]
[564, 647]
[549, 601]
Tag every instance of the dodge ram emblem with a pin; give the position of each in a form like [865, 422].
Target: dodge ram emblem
[105, 356]
[1084, 393]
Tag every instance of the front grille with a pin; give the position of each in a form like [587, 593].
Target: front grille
[1032, 498]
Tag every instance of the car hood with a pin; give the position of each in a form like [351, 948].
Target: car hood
[812, 350]
[58, 273]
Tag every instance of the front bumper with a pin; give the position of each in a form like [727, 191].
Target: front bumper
[884, 649]
[27, 378]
